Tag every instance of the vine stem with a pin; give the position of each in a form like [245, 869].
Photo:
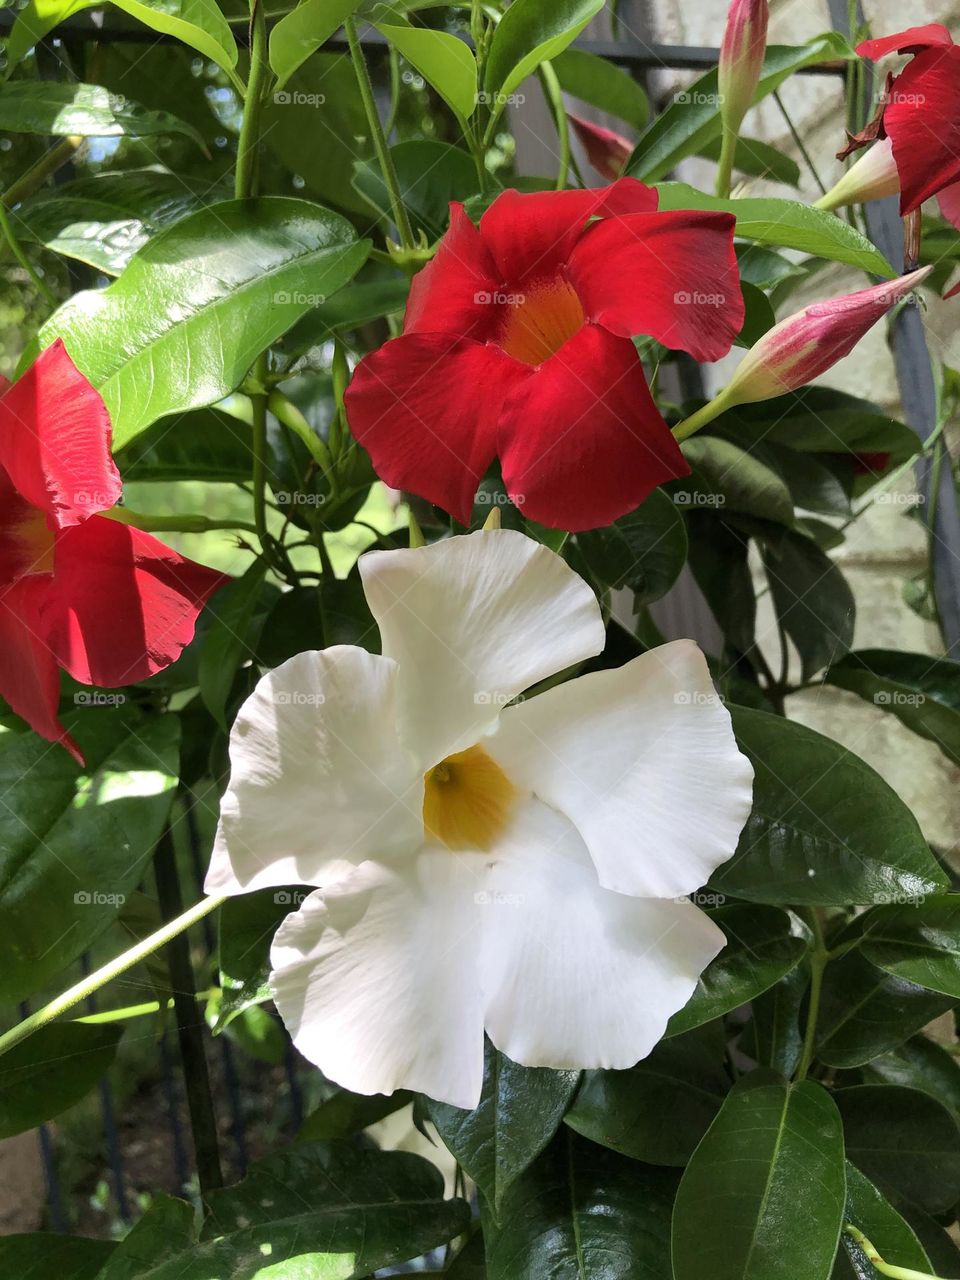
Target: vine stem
[385, 159]
[818, 963]
[38, 173]
[554, 95]
[15, 248]
[728, 149]
[175, 524]
[706, 414]
[106, 973]
[885, 1268]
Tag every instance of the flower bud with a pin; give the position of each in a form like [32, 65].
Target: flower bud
[872, 176]
[803, 346]
[607, 151]
[741, 59]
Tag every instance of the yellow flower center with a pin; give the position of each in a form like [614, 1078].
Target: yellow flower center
[26, 543]
[538, 323]
[467, 800]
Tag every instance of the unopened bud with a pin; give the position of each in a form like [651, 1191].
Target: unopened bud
[873, 176]
[741, 59]
[606, 150]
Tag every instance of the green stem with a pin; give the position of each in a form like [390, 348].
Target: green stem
[554, 95]
[711, 410]
[818, 963]
[37, 174]
[378, 138]
[885, 1268]
[175, 524]
[107, 972]
[798, 142]
[728, 149]
[248, 146]
[189, 1018]
[286, 411]
[15, 248]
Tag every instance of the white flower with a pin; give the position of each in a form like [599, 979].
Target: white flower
[518, 869]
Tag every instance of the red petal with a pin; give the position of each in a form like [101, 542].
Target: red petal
[948, 200]
[922, 121]
[582, 442]
[425, 408]
[55, 440]
[449, 294]
[29, 675]
[533, 234]
[123, 605]
[910, 41]
[671, 276]
[606, 150]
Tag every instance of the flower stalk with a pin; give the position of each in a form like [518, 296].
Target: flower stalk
[885, 1268]
[738, 74]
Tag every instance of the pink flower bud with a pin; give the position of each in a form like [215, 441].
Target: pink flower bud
[741, 59]
[872, 176]
[607, 151]
[803, 346]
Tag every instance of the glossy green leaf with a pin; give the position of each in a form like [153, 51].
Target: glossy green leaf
[357, 304]
[727, 478]
[302, 31]
[815, 484]
[758, 160]
[644, 551]
[185, 321]
[52, 1071]
[344, 1114]
[200, 24]
[104, 219]
[758, 315]
[164, 1231]
[812, 600]
[917, 941]
[529, 33]
[693, 118]
[774, 1036]
[430, 173]
[905, 1140]
[825, 829]
[74, 842]
[63, 109]
[32, 23]
[922, 692]
[603, 84]
[519, 1112]
[207, 444]
[764, 267]
[246, 928]
[583, 1211]
[787, 224]
[765, 1188]
[444, 61]
[718, 558]
[869, 1211]
[660, 1109]
[763, 945]
[42, 1255]
[922, 1064]
[228, 644]
[257, 1034]
[865, 1012]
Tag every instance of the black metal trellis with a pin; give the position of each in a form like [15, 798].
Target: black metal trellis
[915, 379]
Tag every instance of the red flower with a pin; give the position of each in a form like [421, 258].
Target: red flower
[921, 116]
[109, 604]
[516, 345]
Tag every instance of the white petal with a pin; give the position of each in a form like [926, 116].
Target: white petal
[473, 621]
[643, 761]
[577, 976]
[317, 774]
[376, 980]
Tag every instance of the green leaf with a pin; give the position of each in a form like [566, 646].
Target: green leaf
[726, 477]
[865, 1012]
[785, 223]
[227, 644]
[891, 1235]
[52, 1071]
[74, 841]
[905, 1140]
[355, 305]
[758, 315]
[199, 302]
[104, 219]
[62, 109]
[344, 1114]
[762, 947]
[922, 692]
[923, 1064]
[32, 23]
[602, 84]
[341, 1211]
[643, 551]
[257, 1033]
[519, 1112]
[444, 61]
[775, 1038]
[430, 173]
[813, 482]
[765, 1188]
[693, 119]
[718, 558]
[302, 31]
[825, 829]
[41, 1255]
[919, 942]
[758, 160]
[247, 925]
[660, 1109]
[764, 267]
[583, 1211]
[207, 444]
[165, 1230]
[531, 32]
[197, 23]
[812, 599]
